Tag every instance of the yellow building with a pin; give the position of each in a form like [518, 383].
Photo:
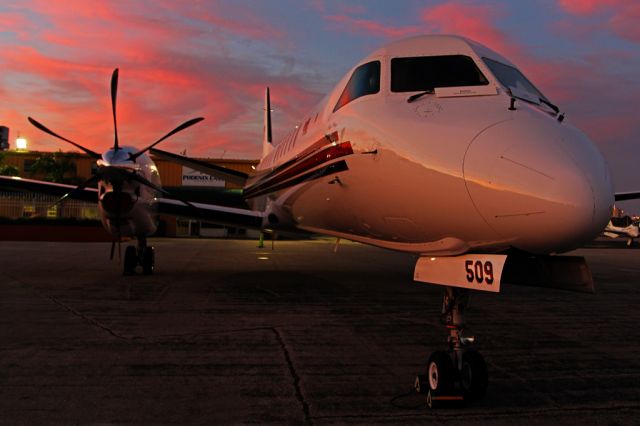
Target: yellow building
[171, 174]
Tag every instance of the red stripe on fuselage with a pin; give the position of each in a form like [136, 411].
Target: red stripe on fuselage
[317, 145]
[298, 167]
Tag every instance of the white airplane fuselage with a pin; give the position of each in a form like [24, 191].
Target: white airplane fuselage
[131, 211]
[451, 172]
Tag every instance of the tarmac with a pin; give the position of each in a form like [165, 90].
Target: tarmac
[227, 333]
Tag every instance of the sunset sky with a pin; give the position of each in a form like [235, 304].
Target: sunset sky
[180, 60]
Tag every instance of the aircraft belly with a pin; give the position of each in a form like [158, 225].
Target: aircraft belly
[390, 201]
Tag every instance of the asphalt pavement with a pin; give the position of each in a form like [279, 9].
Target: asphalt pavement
[227, 333]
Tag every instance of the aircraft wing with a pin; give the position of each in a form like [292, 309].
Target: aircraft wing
[219, 172]
[228, 216]
[14, 183]
[622, 196]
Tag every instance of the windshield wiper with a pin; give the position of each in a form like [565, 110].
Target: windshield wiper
[550, 105]
[418, 95]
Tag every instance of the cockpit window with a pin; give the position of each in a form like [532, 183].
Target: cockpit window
[428, 72]
[365, 80]
[514, 80]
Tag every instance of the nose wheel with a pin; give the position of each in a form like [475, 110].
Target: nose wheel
[459, 374]
[142, 255]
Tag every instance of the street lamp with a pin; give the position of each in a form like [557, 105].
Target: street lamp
[21, 144]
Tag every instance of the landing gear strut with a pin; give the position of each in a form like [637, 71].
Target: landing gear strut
[460, 373]
[142, 255]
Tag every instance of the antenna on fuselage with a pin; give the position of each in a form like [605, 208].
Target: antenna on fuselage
[267, 141]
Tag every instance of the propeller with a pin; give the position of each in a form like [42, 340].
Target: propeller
[93, 179]
[52, 133]
[116, 145]
[180, 128]
[112, 173]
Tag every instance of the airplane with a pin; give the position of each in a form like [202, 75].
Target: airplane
[623, 226]
[128, 183]
[433, 145]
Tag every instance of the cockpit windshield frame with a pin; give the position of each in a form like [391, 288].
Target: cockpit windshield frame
[424, 73]
[365, 80]
[507, 75]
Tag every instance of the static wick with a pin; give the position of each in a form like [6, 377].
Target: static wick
[335, 247]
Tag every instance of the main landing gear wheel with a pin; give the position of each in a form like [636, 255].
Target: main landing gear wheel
[148, 260]
[142, 255]
[459, 374]
[473, 375]
[440, 378]
[130, 260]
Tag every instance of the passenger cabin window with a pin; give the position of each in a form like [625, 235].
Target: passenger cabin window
[428, 72]
[365, 80]
[514, 80]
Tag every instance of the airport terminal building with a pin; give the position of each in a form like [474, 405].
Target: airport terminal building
[74, 168]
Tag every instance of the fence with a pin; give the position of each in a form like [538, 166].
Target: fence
[16, 205]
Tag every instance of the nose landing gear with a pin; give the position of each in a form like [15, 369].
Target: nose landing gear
[459, 374]
[142, 255]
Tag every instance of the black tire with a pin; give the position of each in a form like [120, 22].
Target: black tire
[148, 260]
[474, 378]
[440, 373]
[130, 260]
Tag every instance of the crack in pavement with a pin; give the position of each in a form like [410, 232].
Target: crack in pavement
[87, 319]
[278, 335]
[73, 311]
[294, 374]
[283, 346]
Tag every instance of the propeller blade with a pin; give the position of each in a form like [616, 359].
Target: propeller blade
[173, 132]
[114, 93]
[44, 129]
[93, 179]
[148, 183]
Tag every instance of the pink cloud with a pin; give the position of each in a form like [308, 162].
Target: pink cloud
[585, 7]
[622, 15]
[16, 23]
[473, 21]
[347, 23]
[163, 81]
[626, 22]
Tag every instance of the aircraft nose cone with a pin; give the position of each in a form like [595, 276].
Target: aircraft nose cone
[543, 186]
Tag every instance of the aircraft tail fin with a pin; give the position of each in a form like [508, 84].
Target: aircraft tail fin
[267, 141]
